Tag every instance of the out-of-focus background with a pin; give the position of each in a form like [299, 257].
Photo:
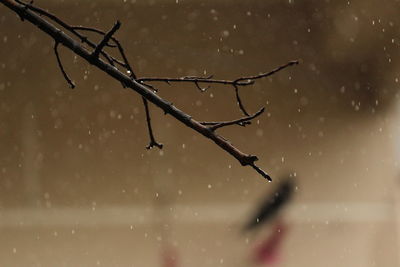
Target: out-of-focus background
[78, 187]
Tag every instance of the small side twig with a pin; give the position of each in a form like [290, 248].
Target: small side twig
[89, 29]
[267, 74]
[150, 86]
[125, 59]
[202, 89]
[193, 79]
[239, 101]
[153, 142]
[105, 40]
[242, 121]
[60, 65]
[241, 81]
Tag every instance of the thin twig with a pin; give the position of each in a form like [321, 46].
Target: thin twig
[125, 59]
[262, 172]
[60, 65]
[202, 89]
[241, 81]
[239, 101]
[82, 28]
[153, 141]
[243, 124]
[105, 40]
[194, 80]
[263, 75]
[242, 121]
[150, 86]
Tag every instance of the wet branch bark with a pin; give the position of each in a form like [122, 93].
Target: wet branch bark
[99, 58]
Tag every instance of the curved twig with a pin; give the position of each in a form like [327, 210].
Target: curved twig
[60, 65]
[239, 101]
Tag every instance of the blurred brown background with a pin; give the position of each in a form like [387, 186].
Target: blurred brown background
[78, 187]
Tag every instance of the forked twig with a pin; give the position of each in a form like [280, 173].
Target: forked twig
[236, 83]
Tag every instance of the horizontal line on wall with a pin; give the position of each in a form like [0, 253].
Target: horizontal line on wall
[373, 212]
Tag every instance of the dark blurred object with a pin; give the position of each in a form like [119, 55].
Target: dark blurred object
[272, 204]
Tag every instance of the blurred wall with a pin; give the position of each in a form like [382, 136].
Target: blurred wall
[78, 187]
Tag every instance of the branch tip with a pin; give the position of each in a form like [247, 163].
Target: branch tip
[154, 144]
[263, 173]
[267, 74]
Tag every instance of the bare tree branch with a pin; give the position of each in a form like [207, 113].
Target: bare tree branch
[44, 21]
[98, 50]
